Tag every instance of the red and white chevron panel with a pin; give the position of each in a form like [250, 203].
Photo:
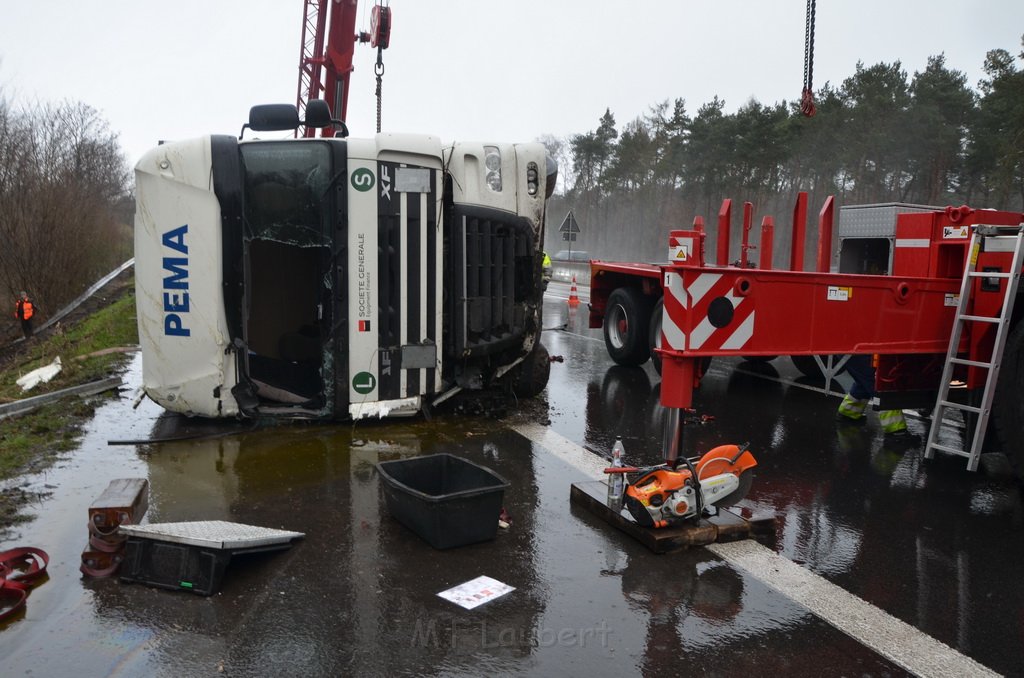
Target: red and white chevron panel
[687, 325]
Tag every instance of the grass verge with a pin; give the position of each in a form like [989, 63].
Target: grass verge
[31, 442]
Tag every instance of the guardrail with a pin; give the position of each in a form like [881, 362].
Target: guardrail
[82, 390]
[95, 287]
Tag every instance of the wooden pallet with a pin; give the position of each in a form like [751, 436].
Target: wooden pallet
[726, 526]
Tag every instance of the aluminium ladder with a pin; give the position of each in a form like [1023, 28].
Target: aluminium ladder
[980, 236]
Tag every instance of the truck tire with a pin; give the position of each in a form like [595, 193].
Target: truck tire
[1008, 408]
[626, 323]
[654, 334]
[532, 374]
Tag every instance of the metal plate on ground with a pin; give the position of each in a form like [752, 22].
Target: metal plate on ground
[215, 534]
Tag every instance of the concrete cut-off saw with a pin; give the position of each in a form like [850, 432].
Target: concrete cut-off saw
[669, 494]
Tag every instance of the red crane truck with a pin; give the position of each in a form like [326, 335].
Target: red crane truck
[928, 291]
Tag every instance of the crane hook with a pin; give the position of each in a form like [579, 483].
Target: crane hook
[807, 106]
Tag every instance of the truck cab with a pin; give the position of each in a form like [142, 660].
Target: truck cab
[337, 278]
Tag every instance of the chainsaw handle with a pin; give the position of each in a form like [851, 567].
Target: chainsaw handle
[633, 469]
[622, 469]
[739, 453]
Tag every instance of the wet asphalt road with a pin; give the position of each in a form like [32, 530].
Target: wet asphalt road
[927, 543]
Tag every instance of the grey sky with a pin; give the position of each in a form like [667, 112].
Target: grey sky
[507, 70]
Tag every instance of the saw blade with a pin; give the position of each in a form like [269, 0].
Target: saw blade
[737, 495]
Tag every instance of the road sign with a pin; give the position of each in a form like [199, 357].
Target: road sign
[569, 225]
[571, 237]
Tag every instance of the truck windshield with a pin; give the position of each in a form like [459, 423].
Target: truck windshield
[285, 188]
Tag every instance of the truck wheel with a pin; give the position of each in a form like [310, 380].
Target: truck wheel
[626, 322]
[532, 374]
[1008, 407]
[654, 334]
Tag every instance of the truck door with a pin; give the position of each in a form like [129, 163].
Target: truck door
[287, 246]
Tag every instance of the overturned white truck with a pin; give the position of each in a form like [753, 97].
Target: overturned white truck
[337, 278]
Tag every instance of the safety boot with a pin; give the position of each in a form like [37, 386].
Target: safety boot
[852, 408]
[893, 423]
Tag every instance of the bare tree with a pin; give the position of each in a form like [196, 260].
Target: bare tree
[63, 183]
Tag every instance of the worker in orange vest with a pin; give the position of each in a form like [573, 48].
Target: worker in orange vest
[23, 311]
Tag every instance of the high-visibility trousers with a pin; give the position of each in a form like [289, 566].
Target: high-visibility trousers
[852, 408]
[892, 421]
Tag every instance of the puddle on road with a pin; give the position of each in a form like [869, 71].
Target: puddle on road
[360, 590]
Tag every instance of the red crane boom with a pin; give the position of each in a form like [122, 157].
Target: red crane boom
[326, 51]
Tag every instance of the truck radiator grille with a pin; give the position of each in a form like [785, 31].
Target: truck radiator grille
[490, 263]
[406, 283]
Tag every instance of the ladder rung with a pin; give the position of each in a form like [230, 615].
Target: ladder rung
[960, 406]
[951, 450]
[993, 231]
[1012, 277]
[973, 363]
[988, 274]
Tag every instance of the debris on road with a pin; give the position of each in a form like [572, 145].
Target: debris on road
[40, 375]
[476, 592]
[447, 500]
[192, 556]
[19, 569]
[124, 502]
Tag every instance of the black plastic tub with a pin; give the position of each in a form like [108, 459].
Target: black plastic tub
[447, 500]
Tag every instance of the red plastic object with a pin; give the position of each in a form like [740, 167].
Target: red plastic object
[19, 569]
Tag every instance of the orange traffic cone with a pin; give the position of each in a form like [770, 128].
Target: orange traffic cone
[574, 299]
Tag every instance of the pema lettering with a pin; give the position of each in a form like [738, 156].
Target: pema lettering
[175, 297]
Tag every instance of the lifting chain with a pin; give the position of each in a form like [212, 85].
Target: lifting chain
[381, 30]
[379, 70]
[807, 97]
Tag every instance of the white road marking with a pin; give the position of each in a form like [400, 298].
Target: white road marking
[871, 626]
[895, 640]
